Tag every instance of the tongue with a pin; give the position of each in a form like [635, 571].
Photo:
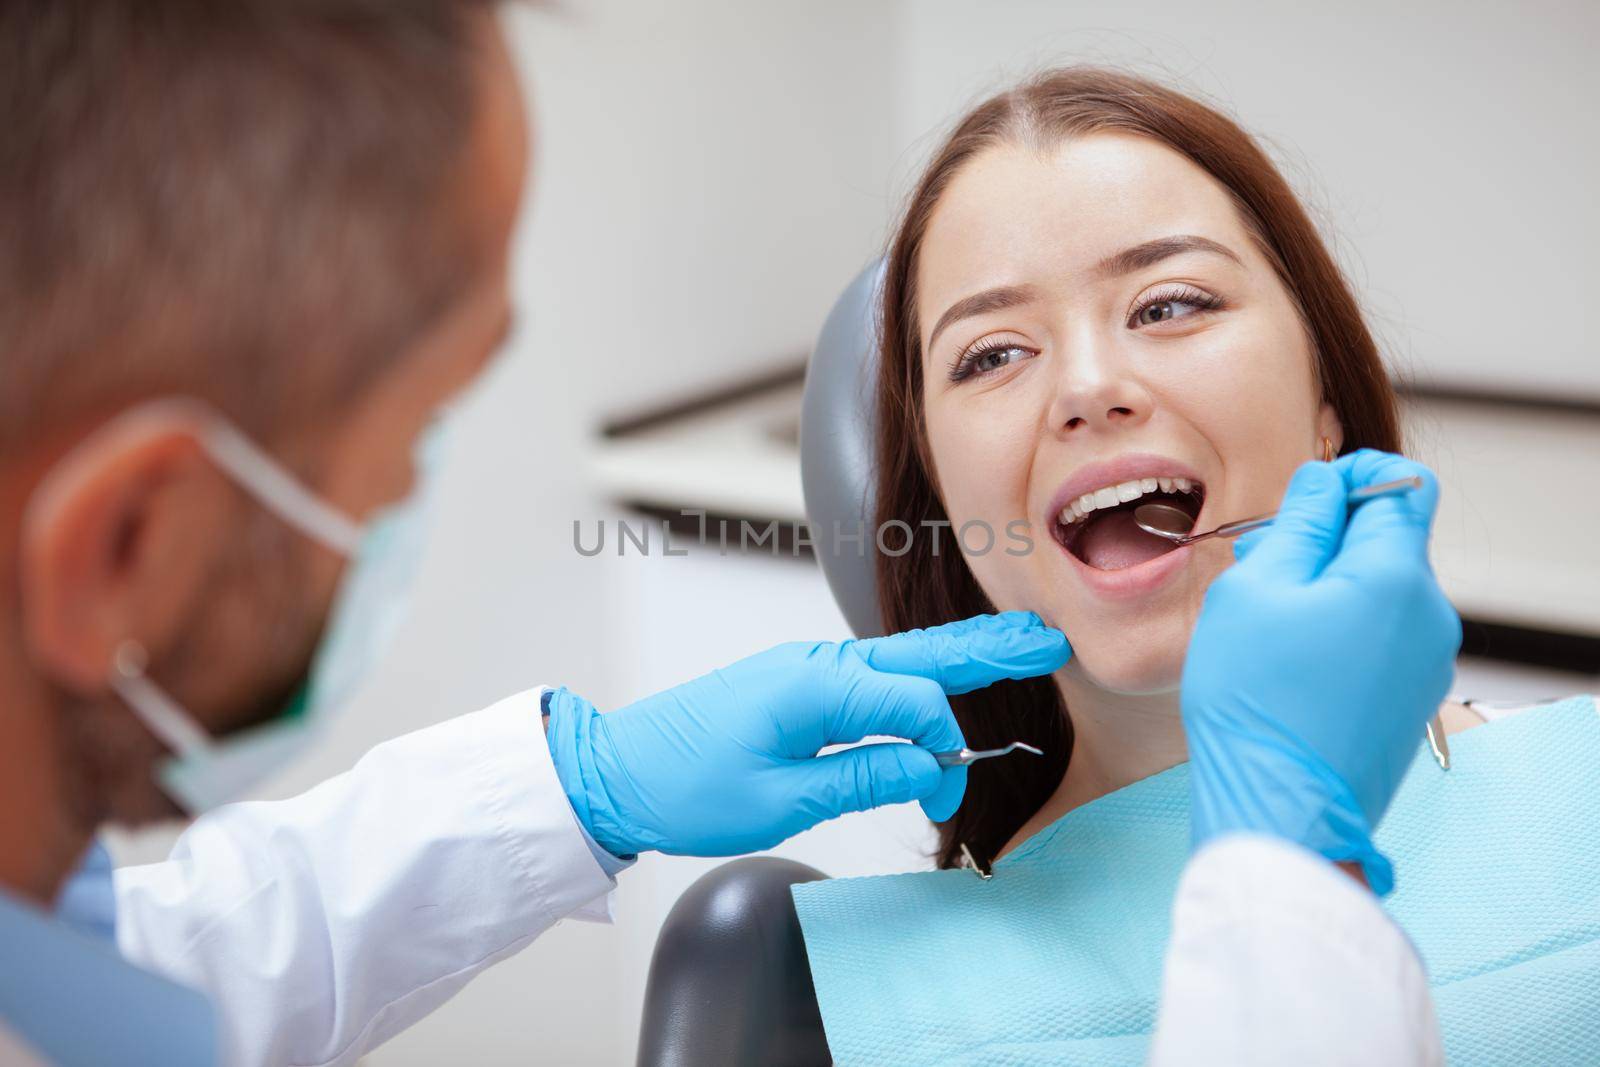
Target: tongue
[1113, 541]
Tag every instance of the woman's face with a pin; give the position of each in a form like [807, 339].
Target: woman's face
[1095, 316]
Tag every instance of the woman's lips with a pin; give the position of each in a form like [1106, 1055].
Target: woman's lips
[1129, 582]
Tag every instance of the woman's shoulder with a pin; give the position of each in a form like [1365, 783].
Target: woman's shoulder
[1460, 714]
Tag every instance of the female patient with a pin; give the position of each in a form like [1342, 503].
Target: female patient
[1102, 292]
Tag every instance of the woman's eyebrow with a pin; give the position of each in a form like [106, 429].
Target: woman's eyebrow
[1152, 252]
[997, 299]
[1125, 262]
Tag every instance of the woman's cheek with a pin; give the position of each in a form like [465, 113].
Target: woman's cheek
[981, 470]
[984, 491]
[1001, 580]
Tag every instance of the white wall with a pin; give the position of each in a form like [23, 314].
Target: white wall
[709, 172]
[1451, 146]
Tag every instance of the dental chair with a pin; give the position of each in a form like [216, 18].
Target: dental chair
[729, 982]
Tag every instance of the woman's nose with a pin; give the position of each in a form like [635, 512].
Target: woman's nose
[1095, 388]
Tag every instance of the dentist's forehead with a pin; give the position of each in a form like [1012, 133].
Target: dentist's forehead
[1017, 215]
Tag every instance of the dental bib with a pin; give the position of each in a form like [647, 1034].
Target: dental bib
[1057, 959]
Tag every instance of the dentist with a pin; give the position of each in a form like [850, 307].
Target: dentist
[226, 351]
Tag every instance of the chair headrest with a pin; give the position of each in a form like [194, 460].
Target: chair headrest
[836, 450]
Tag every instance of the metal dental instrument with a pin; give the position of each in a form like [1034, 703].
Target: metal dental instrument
[1174, 523]
[1437, 744]
[965, 757]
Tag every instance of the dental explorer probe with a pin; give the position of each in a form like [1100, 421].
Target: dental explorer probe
[1174, 524]
[965, 757]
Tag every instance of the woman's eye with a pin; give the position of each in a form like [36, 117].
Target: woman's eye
[987, 360]
[995, 358]
[1177, 306]
[1162, 310]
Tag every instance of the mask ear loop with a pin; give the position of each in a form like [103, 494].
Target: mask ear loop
[277, 490]
[159, 712]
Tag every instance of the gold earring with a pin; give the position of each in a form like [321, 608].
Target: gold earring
[1327, 450]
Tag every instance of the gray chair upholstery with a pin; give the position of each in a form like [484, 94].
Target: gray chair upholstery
[730, 982]
[836, 438]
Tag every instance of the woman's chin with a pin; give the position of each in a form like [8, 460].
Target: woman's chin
[1114, 671]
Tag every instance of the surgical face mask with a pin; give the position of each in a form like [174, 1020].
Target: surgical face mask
[205, 772]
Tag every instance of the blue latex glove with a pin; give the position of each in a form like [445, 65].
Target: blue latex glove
[1318, 659]
[728, 763]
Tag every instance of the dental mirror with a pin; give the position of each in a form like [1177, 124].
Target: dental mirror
[1172, 523]
[1163, 520]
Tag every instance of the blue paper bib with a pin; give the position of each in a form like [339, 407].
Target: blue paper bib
[1057, 959]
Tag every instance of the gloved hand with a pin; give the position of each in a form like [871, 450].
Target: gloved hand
[1318, 659]
[728, 763]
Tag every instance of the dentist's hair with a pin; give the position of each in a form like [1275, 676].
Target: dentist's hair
[242, 201]
[924, 588]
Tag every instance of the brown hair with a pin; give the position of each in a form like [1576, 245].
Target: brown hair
[243, 201]
[923, 587]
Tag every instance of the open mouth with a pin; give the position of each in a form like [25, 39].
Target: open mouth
[1099, 530]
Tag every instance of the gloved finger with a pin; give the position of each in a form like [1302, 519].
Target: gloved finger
[870, 776]
[1368, 466]
[1386, 529]
[971, 653]
[1246, 542]
[876, 704]
[942, 803]
[914, 708]
[1310, 522]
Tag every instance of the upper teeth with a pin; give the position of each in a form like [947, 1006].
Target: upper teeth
[1121, 493]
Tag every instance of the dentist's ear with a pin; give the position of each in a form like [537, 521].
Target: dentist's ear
[116, 543]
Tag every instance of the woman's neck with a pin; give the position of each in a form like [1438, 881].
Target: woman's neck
[1117, 740]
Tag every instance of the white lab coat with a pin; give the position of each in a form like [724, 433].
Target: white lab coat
[1277, 957]
[323, 925]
